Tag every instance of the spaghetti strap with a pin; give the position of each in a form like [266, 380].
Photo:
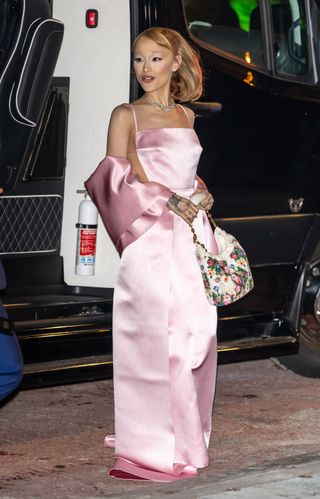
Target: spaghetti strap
[185, 112]
[134, 117]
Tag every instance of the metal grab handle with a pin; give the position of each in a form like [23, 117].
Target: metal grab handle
[205, 109]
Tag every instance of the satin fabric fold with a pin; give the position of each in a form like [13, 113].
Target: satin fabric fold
[164, 330]
[127, 206]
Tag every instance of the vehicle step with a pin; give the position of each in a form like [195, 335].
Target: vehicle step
[71, 322]
[52, 306]
[64, 371]
[47, 340]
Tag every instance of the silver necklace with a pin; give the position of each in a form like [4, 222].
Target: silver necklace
[162, 106]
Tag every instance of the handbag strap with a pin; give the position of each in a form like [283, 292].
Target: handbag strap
[213, 223]
[195, 237]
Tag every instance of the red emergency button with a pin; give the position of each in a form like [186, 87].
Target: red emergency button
[92, 18]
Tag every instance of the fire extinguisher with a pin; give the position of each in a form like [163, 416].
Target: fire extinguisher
[87, 236]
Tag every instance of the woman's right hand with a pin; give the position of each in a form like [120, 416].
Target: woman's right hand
[1, 190]
[183, 207]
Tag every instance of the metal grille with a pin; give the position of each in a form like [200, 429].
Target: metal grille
[30, 224]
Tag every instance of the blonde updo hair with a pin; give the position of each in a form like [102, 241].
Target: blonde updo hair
[186, 82]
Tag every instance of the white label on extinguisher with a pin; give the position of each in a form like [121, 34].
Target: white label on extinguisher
[88, 239]
[86, 251]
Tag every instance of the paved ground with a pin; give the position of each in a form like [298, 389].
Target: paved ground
[266, 441]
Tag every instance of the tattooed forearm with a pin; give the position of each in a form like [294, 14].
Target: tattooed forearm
[174, 200]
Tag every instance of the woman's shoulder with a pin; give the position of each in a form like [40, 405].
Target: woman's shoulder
[189, 112]
[121, 115]
[122, 110]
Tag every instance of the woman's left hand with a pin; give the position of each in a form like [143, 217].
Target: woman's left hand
[207, 201]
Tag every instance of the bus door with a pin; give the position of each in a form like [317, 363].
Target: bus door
[62, 319]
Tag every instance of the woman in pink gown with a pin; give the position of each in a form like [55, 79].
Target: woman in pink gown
[164, 330]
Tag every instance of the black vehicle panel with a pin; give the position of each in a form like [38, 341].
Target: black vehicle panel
[261, 157]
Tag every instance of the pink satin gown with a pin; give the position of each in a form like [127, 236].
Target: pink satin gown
[164, 330]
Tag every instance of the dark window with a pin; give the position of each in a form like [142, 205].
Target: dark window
[290, 37]
[232, 27]
[47, 160]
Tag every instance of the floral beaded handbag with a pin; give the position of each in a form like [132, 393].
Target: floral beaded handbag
[227, 275]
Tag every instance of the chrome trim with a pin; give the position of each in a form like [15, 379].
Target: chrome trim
[33, 196]
[27, 252]
[75, 366]
[311, 38]
[246, 316]
[11, 305]
[255, 343]
[63, 333]
[51, 327]
[270, 217]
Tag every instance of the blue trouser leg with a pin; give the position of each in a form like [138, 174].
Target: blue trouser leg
[11, 362]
